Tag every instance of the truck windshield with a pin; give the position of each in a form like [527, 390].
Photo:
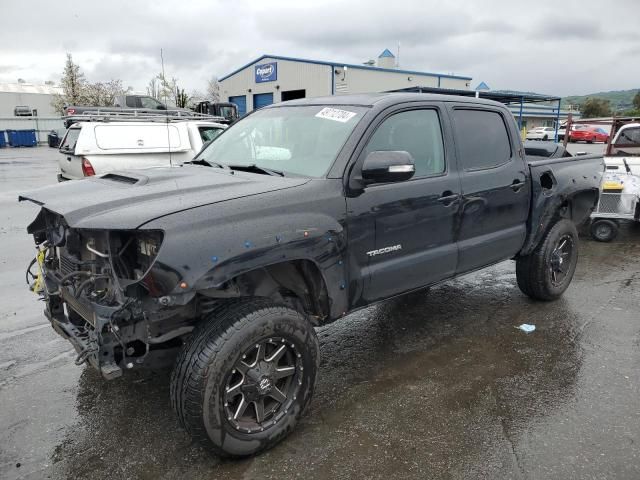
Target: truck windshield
[297, 140]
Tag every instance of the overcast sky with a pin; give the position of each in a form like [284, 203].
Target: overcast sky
[563, 47]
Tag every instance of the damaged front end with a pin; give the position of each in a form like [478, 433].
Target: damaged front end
[104, 293]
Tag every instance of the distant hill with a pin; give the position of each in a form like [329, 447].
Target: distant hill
[620, 99]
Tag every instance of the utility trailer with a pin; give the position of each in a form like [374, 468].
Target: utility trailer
[620, 190]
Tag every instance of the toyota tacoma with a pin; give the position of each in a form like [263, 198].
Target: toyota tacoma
[295, 216]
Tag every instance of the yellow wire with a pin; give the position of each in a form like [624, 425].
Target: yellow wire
[37, 285]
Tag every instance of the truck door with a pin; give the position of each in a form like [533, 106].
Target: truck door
[402, 234]
[495, 186]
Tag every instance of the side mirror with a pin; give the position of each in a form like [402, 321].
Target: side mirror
[161, 107]
[384, 167]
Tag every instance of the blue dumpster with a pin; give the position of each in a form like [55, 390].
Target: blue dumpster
[22, 138]
[2, 140]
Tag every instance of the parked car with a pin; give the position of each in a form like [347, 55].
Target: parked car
[22, 111]
[300, 213]
[94, 148]
[541, 133]
[54, 137]
[588, 134]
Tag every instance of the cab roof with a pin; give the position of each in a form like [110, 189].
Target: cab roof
[385, 100]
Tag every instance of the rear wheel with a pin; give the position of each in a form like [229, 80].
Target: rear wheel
[245, 377]
[546, 272]
[604, 230]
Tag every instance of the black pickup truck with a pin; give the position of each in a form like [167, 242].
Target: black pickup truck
[295, 216]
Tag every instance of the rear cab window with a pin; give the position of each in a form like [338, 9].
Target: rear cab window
[208, 134]
[482, 139]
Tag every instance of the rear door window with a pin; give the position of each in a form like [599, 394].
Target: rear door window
[482, 140]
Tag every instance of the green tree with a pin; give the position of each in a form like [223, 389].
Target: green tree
[636, 101]
[595, 107]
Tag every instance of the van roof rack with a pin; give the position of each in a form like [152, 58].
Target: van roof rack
[137, 116]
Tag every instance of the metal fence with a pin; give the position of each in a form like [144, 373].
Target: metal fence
[42, 125]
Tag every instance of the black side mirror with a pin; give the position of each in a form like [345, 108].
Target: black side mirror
[161, 107]
[383, 167]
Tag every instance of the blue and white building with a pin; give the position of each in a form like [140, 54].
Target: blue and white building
[274, 78]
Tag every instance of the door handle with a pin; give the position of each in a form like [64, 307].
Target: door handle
[517, 185]
[448, 198]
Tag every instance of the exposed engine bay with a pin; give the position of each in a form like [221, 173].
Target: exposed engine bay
[102, 294]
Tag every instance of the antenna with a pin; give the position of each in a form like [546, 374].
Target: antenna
[164, 91]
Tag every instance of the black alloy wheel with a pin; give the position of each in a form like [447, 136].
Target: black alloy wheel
[559, 262]
[263, 384]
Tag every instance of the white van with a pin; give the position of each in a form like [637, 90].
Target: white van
[94, 148]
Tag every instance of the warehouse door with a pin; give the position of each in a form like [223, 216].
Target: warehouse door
[262, 100]
[241, 102]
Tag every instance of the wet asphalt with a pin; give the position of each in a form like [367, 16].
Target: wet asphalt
[437, 384]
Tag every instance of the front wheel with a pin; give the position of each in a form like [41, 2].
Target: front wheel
[546, 272]
[246, 375]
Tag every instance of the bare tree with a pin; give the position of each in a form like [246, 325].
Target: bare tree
[153, 88]
[73, 84]
[103, 93]
[213, 89]
[77, 91]
[181, 98]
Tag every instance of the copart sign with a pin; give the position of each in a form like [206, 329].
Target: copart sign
[267, 72]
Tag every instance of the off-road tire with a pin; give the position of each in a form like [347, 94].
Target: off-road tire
[205, 364]
[604, 229]
[533, 271]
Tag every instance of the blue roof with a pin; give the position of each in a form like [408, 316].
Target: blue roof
[386, 53]
[341, 64]
[482, 86]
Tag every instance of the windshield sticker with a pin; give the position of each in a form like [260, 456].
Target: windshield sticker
[336, 114]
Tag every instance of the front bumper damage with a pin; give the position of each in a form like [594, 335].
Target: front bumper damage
[93, 334]
[103, 295]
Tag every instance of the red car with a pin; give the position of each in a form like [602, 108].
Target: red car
[588, 134]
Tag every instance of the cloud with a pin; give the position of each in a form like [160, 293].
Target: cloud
[514, 45]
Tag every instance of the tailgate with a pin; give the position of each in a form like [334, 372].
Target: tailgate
[70, 166]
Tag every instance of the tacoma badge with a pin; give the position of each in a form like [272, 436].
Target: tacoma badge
[380, 251]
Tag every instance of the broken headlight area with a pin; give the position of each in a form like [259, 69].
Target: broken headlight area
[99, 265]
[101, 287]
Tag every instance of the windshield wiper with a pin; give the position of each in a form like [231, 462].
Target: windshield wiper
[207, 163]
[256, 169]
